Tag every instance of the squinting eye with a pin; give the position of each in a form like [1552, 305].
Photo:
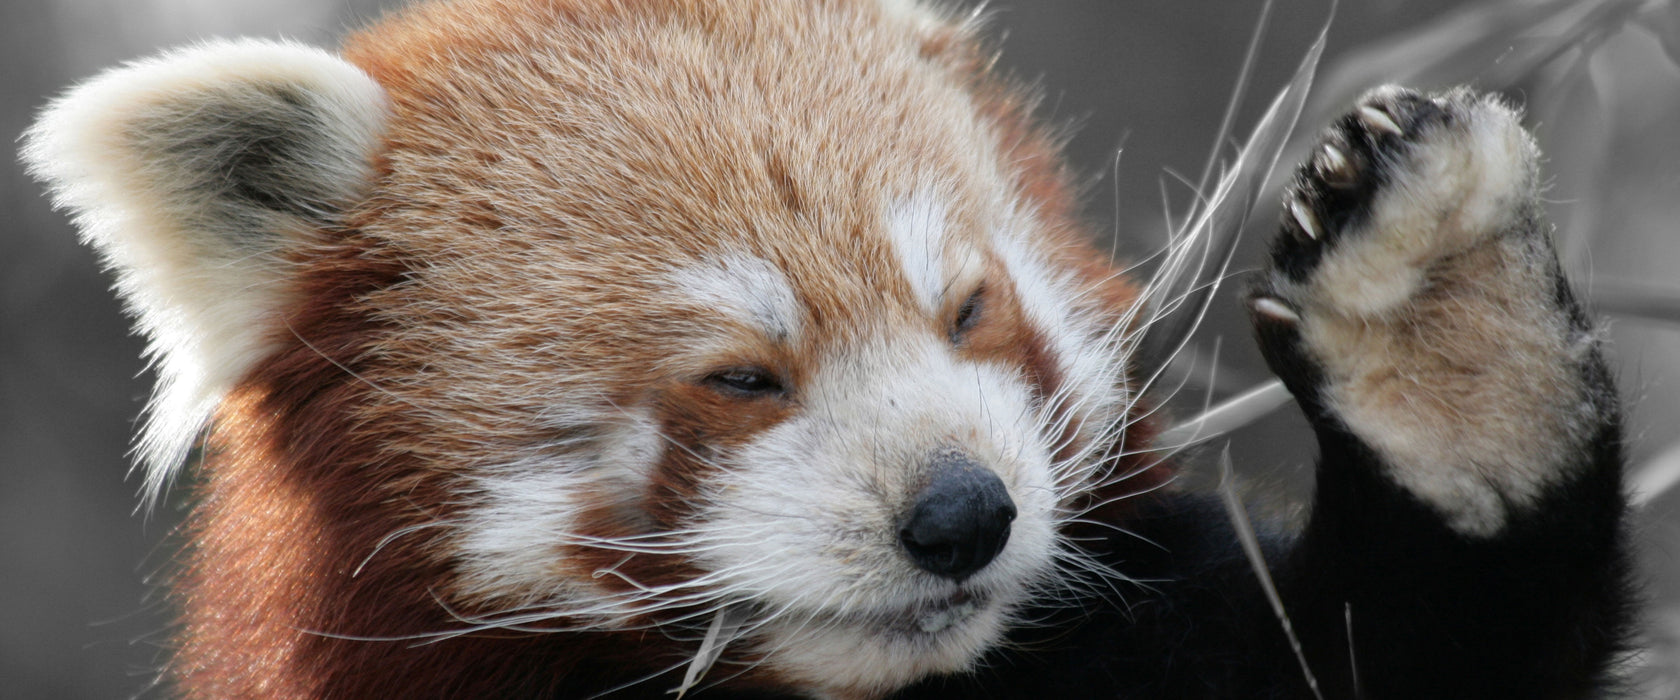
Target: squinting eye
[746, 382]
[967, 316]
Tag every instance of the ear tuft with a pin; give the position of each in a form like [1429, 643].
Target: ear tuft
[193, 174]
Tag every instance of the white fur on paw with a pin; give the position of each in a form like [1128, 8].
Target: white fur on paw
[1426, 293]
[1455, 184]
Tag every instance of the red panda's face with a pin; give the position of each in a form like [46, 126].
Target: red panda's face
[766, 344]
[761, 321]
[685, 417]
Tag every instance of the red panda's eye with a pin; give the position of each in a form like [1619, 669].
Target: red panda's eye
[967, 315]
[746, 382]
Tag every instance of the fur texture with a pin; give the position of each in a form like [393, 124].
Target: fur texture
[559, 348]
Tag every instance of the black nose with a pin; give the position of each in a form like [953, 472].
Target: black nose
[960, 521]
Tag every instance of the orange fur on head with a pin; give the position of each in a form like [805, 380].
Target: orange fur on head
[653, 317]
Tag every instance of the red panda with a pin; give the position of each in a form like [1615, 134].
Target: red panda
[569, 348]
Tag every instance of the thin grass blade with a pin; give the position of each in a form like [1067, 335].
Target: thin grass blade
[1256, 559]
[719, 633]
[1494, 45]
[1228, 416]
[1657, 477]
[1214, 225]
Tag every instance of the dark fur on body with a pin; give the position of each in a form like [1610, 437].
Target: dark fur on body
[1387, 600]
[533, 338]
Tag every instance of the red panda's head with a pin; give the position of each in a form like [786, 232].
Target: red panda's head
[757, 321]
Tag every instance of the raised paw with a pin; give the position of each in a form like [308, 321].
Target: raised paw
[1400, 182]
[1414, 300]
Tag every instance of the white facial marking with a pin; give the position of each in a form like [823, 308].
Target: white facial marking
[748, 288]
[524, 510]
[916, 226]
[1090, 353]
[805, 519]
[508, 540]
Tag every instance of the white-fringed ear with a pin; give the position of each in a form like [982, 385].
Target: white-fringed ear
[192, 173]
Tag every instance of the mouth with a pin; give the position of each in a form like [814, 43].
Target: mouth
[889, 644]
[941, 615]
[923, 623]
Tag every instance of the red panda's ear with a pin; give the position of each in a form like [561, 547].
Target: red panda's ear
[192, 173]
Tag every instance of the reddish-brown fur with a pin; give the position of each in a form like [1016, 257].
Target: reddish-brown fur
[501, 212]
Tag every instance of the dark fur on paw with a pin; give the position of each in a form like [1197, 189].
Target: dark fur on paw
[1332, 191]
[1412, 301]
[1396, 184]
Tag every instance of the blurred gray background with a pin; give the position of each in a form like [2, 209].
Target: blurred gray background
[1144, 83]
